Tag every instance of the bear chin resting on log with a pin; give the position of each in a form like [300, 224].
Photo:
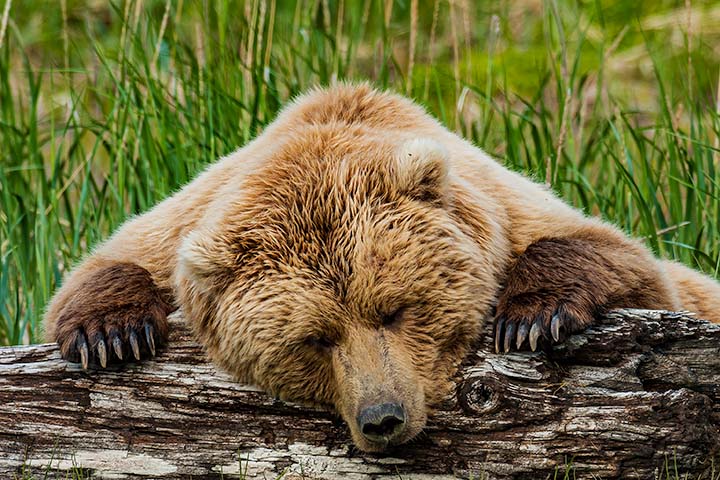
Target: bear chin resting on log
[349, 257]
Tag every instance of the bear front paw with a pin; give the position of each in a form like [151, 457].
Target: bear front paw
[555, 288]
[115, 315]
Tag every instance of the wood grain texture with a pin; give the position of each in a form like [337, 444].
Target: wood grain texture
[617, 399]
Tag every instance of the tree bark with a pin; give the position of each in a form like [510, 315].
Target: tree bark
[639, 390]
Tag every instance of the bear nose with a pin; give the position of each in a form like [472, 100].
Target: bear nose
[383, 422]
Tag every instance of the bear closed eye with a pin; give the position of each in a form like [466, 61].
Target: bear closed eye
[349, 256]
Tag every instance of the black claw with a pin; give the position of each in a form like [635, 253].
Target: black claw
[132, 337]
[116, 343]
[522, 334]
[82, 347]
[498, 333]
[101, 349]
[509, 336]
[149, 336]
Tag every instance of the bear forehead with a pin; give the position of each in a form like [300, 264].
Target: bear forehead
[323, 191]
[322, 176]
[329, 159]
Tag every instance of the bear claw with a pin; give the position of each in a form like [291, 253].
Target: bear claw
[132, 338]
[82, 348]
[522, 335]
[149, 336]
[509, 336]
[116, 344]
[534, 334]
[555, 327]
[101, 350]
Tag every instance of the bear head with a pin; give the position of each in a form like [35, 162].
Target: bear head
[352, 268]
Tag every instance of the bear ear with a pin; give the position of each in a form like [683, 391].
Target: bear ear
[422, 170]
[205, 259]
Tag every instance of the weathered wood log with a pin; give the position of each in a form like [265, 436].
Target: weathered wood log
[639, 389]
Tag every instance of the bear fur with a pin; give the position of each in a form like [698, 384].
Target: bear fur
[349, 255]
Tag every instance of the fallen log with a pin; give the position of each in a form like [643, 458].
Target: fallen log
[635, 393]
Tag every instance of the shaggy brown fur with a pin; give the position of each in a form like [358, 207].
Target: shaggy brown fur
[349, 255]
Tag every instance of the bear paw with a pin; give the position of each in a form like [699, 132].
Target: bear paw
[116, 314]
[555, 288]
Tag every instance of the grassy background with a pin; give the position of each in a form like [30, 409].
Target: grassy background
[107, 107]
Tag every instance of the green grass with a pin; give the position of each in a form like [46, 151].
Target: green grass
[106, 108]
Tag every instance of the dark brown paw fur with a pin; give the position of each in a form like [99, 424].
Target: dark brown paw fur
[116, 315]
[559, 285]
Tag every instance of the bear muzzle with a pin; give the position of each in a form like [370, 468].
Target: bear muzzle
[381, 395]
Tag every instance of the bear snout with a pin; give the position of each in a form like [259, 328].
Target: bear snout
[382, 423]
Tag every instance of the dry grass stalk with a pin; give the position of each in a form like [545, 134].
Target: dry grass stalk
[431, 47]
[456, 60]
[413, 40]
[161, 34]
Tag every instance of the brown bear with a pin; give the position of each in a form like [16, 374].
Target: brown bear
[348, 257]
